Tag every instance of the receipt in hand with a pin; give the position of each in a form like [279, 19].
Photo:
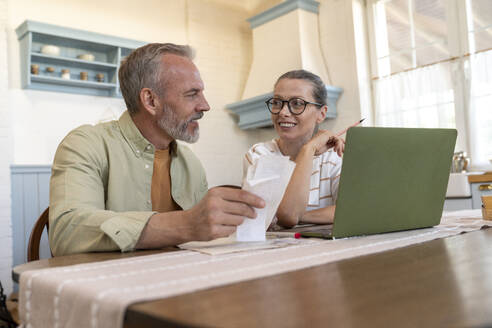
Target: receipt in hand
[268, 178]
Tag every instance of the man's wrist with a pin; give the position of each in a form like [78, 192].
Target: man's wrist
[188, 233]
[165, 229]
[140, 242]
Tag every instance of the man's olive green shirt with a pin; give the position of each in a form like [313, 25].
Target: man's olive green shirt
[100, 187]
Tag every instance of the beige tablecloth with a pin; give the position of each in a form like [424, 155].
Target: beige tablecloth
[97, 294]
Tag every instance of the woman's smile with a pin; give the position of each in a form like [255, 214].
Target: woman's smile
[286, 125]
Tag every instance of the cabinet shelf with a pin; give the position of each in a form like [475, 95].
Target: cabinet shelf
[51, 83]
[78, 83]
[48, 59]
[108, 51]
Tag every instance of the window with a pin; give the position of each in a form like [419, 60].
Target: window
[479, 18]
[432, 67]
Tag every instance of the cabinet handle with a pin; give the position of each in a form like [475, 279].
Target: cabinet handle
[485, 187]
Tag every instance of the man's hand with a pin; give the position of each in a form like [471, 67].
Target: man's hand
[221, 211]
[216, 215]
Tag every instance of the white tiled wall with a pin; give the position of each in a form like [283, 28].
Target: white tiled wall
[5, 158]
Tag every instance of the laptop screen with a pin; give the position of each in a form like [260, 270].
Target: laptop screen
[392, 179]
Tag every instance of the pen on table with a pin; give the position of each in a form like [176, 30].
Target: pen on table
[283, 234]
[314, 234]
[345, 130]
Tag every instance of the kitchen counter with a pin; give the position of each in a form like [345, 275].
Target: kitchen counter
[466, 189]
[477, 178]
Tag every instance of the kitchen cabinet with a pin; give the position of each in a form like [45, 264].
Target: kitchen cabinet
[456, 204]
[478, 185]
[481, 185]
[89, 60]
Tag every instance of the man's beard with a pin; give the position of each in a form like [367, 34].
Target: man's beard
[176, 128]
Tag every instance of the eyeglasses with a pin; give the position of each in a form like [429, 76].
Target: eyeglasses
[295, 105]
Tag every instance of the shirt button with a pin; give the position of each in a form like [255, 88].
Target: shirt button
[146, 166]
[148, 147]
[138, 151]
[148, 202]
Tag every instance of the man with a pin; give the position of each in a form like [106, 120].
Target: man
[127, 184]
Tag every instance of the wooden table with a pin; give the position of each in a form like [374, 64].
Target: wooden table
[441, 283]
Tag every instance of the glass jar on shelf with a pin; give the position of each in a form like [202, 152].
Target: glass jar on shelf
[50, 71]
[65, 74]
[84, 76]
[35, 69]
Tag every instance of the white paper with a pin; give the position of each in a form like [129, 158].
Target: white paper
[254, 230]
[229, 245]
[267, 178]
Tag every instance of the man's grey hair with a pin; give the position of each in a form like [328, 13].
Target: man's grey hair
[142, 69]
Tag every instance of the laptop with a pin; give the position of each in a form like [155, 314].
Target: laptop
[392, 179]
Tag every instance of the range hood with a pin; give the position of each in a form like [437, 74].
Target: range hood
[285, 38]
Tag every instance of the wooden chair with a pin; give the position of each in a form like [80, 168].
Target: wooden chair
[35, 238]
[32, 255]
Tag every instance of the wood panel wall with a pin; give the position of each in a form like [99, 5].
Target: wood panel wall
[30, 197]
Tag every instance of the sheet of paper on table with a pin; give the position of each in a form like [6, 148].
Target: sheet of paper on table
[230, 245]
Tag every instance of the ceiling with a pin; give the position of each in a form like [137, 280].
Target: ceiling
[251, 6]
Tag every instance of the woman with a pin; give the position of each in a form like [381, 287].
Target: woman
[297, 107]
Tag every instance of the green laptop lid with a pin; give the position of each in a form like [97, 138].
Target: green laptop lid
[392, 179]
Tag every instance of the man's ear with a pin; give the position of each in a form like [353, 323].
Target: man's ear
[149, 101]
[322, 114]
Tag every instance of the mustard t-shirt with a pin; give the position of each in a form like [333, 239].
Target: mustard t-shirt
[160, 194]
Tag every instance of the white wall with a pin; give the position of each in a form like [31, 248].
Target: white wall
[5, 159]
[223, 40]
[41, 119]
[347, 67]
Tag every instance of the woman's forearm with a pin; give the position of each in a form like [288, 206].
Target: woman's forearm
[323, 215]
[296, 197]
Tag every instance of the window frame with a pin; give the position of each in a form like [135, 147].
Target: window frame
[458, 19]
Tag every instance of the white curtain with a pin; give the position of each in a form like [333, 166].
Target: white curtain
[480, 115]
[421, 97]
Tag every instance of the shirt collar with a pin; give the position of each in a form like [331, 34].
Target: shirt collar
[137, 141]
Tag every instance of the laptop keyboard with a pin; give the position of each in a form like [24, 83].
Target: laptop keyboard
[324, 229]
